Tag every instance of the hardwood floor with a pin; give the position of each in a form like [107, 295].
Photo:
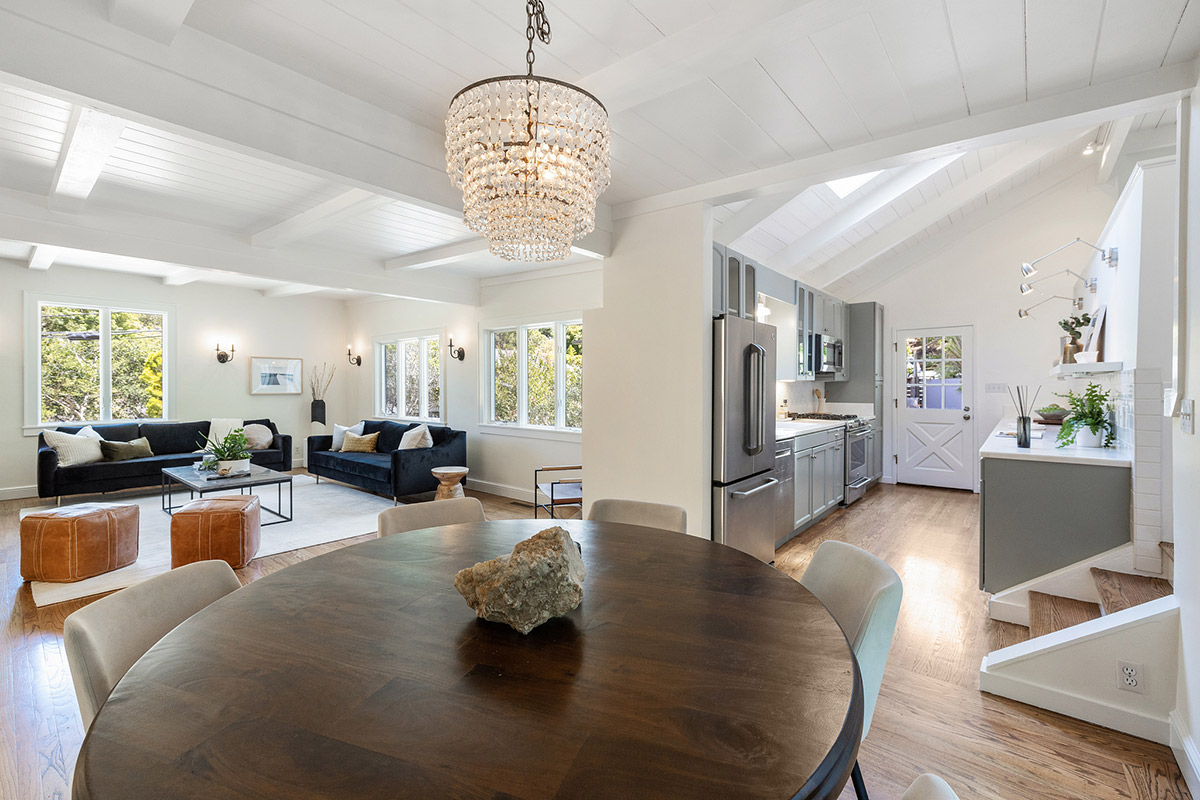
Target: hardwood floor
[930, 716]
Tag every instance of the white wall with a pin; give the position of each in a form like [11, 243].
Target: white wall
[648, 369]
[501, 462]
[975, 281]
[304, 327]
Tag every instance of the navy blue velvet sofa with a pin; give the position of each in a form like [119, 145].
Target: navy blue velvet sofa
[388, 471]
[173, 445]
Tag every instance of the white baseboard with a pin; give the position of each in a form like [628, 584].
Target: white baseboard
[18, 492]
[502, 489]
[1087, 709]
[1187, 753]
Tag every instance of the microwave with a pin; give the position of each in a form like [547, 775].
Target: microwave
[827, 354]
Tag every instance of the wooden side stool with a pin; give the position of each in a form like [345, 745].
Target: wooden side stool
[449, 482]
[64, 545]
[225, 528]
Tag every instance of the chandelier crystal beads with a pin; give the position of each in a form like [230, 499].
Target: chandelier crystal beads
[531, 157]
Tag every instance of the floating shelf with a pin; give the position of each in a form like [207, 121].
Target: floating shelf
[1071, 370]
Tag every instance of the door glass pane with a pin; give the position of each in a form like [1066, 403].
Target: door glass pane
[574, 375]
[137, 365]
[391, 381]
[954, 397]
[953, 347]
[932, 372]
[433, 355]
[933, 395]
[504, 376]
[540, 363]
[933, 347]
[70, 364]
[915, 348]
[953, 369]
[412, 378]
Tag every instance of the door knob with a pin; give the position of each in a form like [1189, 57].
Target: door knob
[966, 416]
[966, 408]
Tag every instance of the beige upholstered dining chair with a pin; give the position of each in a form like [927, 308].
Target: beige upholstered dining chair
[429, 515]
[105, 638]
[863, 594]
[929, 787]
[636, 512]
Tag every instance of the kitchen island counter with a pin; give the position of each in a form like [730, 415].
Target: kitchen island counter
[1045, 449]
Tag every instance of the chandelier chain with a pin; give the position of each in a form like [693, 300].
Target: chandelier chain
[536, 25]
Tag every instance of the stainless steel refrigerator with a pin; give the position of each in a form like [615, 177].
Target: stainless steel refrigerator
[744, 436]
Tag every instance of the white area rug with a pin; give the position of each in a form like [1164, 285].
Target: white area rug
[324, 512]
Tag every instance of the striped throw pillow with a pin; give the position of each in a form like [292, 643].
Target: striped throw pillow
[360, 444]
[73, 450]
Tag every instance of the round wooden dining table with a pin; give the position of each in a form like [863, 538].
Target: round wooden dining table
[689, 670]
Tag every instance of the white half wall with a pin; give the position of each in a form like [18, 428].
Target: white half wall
[975, 281]
[648, 370]
[306, 327]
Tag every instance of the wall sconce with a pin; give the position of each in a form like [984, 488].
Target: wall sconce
[222, 356]
[1088, 283]
[1076, 302]
[456, 352]
[353, 359]
[1109, 256]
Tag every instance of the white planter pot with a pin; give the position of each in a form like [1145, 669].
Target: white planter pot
[233, 467]
[1085, 438]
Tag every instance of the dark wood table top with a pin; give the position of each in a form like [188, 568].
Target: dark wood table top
[689, 670]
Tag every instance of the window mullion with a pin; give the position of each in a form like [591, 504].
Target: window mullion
[523, 376]
[560, 375]
[105, 364]
[423, 383]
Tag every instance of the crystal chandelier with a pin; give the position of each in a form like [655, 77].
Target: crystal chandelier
[531, 157]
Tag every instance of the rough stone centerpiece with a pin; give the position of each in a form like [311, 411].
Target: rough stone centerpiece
[542, 578]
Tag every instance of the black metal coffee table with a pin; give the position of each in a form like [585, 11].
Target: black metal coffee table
[199, 483]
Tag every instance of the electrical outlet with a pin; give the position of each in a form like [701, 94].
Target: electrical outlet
[995, 388]
[1131, 676]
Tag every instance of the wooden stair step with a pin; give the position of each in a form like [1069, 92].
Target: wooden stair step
[1121, 590]
[1049, 613]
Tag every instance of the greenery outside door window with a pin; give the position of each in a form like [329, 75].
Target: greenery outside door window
[410, 378]
[535, 376]
[99, 363]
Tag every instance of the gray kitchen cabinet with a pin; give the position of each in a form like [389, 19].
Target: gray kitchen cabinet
[719, 281]
[817, 476]
[804, 314]
[802, 481]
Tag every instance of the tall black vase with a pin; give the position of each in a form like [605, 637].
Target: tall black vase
[318, 411]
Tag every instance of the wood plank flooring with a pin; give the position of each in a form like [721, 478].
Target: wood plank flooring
[930, 716]
[1120, 590]
[1049, 613]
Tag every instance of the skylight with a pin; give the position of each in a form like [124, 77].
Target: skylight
[842, 187]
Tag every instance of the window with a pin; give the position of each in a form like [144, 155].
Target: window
[98, 363]
[535, 375]
[409, 383]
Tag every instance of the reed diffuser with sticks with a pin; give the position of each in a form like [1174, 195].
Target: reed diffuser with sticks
[1025, 405]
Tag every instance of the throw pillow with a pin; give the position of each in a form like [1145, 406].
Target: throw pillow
[339, 434]
[416, 438]
[360, 444]
[72, 449]
[258, 437]
[221, 427]
[89, 432]
[123, 451]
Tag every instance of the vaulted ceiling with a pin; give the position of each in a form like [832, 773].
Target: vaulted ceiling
[297, 144]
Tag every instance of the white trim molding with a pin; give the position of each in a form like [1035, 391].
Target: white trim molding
[1187, 752]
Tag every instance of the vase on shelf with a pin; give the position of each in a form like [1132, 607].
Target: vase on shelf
[318, 411]
[1069, 351]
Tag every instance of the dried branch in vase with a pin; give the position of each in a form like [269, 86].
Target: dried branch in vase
[319, 380]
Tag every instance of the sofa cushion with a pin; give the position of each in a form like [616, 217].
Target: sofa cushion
[124, 432]
[417, 438]
[339, 434]
[367, 443]
[175, 437]
[390, 433]
[134, 467]
[375, 466]
[248, 422]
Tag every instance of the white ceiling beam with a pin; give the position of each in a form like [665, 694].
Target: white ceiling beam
[921, 218]
[597, 245]
[24, 217]
[1152, 139]
[1118, 133]
[159, 20]
[291, 290]
[182, 277]
[751, 216]
[859, 284]
[728, 37]
[91, 137]
[1069, 111]
[349, 204]
[42, 256]
[888, 190]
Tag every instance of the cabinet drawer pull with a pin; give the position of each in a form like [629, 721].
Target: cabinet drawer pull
[770, 482]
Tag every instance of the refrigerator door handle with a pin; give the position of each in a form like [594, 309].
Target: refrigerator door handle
[770, 482]
[756, 422]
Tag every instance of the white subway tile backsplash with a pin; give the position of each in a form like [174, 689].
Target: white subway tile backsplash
[1144, 452]
[1148, 485]
[1149, 535]
[1147, 516]
[1147, 469]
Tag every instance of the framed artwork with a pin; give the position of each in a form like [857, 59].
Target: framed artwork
[276, 375]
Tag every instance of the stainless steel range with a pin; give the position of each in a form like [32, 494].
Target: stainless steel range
[862, 443]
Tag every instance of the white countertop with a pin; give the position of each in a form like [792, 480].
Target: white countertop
[794, 428]
[1045, 449]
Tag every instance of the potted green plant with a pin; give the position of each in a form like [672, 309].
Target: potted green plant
[1090, 423]
[231, 453]
[1074, 326]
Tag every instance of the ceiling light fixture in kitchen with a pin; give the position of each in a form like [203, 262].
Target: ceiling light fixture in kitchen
[530, 154]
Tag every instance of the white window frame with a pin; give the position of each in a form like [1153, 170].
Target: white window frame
[398, 339]
[560, 368]
[33, 356]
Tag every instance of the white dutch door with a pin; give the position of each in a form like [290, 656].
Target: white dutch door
[936, 443]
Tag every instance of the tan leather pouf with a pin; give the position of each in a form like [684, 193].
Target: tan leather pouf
[63, 545]
[224, 528]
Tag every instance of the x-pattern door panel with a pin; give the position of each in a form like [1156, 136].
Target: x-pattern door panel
[936, 444]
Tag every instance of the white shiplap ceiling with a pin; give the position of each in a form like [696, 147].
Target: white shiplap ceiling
[707, 99]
